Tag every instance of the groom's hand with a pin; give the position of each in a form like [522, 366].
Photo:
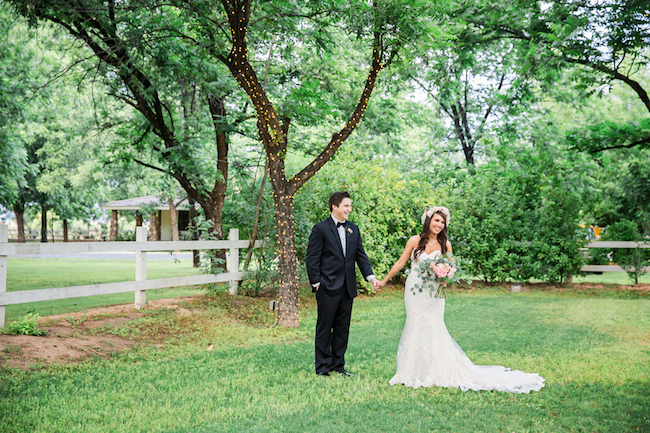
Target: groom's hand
[375, 284]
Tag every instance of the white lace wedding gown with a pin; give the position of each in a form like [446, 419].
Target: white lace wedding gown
[428, 356]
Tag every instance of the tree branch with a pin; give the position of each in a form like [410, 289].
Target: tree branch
[150, 166]
[620, 146]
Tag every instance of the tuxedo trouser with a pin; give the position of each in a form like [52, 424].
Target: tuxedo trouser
[332, 329]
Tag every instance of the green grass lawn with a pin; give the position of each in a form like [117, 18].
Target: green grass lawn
[593, 351]
[610, 278]
[35, 273]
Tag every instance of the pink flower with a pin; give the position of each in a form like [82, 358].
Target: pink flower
[451, 273]
[440, 270]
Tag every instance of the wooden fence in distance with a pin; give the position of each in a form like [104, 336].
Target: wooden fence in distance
[611, 245]
[139, 286]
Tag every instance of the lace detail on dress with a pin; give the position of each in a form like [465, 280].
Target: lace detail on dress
[428, 356]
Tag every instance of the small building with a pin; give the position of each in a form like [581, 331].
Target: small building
[160, 221]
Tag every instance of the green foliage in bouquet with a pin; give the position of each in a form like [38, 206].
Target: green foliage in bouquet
[439, 273]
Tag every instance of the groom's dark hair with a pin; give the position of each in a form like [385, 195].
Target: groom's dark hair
[337, 198]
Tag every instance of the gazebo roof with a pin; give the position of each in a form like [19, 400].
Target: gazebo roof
[138, 202]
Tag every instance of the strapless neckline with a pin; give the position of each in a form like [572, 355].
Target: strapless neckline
[424, 255]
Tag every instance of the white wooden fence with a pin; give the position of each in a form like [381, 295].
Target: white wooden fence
[139, 286]
[612, 245]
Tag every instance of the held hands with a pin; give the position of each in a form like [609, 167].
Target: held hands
[376, 284]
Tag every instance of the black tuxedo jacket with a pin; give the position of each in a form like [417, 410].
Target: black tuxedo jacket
[326, 263]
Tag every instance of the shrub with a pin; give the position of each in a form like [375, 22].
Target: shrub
[263, 275]
[212, 261]
[25, 325]
[516, 219]
[126, 235]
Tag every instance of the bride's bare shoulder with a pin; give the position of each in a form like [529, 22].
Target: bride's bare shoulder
[413, 240]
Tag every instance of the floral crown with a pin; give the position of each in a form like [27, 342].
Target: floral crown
[433, 209]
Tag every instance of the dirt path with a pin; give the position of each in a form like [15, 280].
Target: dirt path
[70, 336]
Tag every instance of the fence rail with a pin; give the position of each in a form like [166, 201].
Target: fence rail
[139, 286]
[612, 244]
[74, 235]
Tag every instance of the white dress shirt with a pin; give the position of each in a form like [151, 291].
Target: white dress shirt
[341, 230]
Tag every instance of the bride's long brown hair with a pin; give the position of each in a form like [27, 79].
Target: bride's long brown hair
[424, 236]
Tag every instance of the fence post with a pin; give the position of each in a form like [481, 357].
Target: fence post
[140, 267]
[234, 261]
[4, 238]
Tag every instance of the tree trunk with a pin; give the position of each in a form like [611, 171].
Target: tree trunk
[213, 213]
[288, 314]
[159, 225]
[214, 207]
[65, 230]
[257, 219]
[138, 219]
[19, 210]
[43, 224]
[174, 220]
[462, 133]
[112, 234]
[154, 226]
[273, 132]
[196, 258]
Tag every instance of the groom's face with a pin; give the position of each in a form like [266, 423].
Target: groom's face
[342, 211]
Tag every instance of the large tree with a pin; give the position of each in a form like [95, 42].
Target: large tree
[607, 41]
[475, 85]
[139, 43]
[173, 92]
[384, 26]
[15, 72]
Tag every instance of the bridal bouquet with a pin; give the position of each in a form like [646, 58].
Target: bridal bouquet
[439, 272]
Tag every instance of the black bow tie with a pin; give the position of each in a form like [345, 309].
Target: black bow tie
[344, 223]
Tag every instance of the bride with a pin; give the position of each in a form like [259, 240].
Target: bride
[427, 355]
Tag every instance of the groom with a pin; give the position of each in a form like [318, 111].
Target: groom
[334, 246]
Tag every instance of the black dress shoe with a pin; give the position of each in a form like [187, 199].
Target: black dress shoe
[344, 372]
[323, 373]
